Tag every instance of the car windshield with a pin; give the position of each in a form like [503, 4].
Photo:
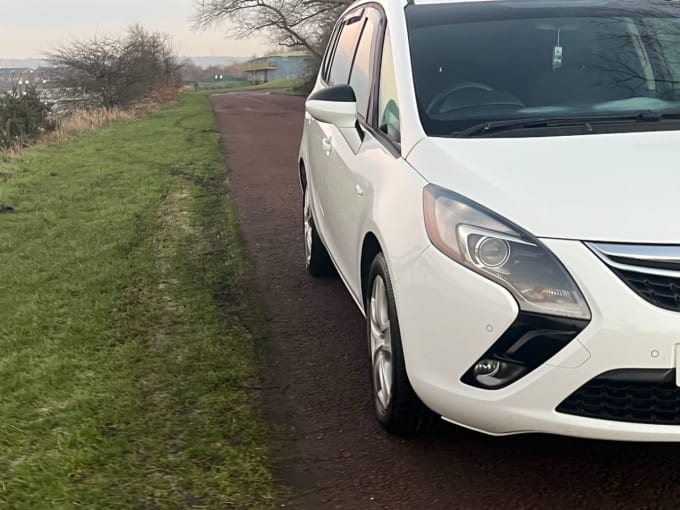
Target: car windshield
[482, 62]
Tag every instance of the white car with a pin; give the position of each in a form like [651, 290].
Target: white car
[497, 183]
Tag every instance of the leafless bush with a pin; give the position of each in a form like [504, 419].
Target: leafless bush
[110, 72]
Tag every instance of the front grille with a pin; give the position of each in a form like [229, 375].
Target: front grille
[653, 272]
[661, 291]
[635, 396]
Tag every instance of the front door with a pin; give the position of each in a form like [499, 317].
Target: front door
[345, 198]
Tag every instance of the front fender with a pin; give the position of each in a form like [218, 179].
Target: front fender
[396, 217]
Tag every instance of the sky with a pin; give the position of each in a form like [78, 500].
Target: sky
[31, 28]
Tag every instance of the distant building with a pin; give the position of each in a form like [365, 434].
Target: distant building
[48, 77]
[13, 77]
[292, 65]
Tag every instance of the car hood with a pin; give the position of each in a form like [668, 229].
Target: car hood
[621, 188]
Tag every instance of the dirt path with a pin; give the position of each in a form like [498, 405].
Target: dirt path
[318, 369]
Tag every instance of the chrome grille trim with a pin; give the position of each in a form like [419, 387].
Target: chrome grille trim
[639, 257]
[652, 272]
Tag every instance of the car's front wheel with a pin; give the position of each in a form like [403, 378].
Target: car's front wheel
[398, 408]
[317, 260]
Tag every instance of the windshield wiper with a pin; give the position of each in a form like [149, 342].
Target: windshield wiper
[587, 122]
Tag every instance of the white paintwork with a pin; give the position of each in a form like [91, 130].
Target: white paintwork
[341, 114]
[620, 188]
[571, 187]
[444, 310]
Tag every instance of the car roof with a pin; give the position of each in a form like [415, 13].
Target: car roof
[452, 1]
[553, 3]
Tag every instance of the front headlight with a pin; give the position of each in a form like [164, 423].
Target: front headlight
[502, 252]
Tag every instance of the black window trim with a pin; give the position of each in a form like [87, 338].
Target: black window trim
[375, 51]
[331, 55]
[393, 147]
[356, 49]
[330, 51]
[388, 144]
[349, 18]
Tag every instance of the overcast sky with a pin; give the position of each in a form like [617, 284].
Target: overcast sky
[30, 28]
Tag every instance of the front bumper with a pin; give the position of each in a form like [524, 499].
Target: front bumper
[449, 316]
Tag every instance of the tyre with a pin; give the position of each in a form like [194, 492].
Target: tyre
[398, 408]
[317, 260]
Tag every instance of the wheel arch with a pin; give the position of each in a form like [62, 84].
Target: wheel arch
[303, 174]
[369, 250]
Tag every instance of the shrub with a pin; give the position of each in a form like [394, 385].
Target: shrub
[23, 118]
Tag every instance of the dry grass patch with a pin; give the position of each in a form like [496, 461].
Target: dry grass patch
[83, 121]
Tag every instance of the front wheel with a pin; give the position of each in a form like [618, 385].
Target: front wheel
[317, 260]
[398, 408]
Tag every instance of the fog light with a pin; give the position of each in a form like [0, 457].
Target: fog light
[489, 373]
[529, 343]
[489, 367]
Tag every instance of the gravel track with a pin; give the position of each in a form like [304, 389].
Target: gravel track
[317, 375]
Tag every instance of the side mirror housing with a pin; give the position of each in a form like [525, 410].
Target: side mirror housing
[335, 105]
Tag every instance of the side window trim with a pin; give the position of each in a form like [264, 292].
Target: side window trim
[375, 17]
[330, 52]
[391, 145]
[356, 49]
[356, 15]
[388, 144]
[373, 102]
[370, 123]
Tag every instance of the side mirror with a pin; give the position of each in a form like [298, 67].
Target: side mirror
[335, 105]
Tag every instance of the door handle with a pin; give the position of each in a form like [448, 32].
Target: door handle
[327, 145]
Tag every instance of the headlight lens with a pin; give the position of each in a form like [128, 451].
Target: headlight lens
[492, 247]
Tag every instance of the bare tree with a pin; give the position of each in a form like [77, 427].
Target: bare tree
[92, 67]
[112, 71]
[290, 23]
[149, 62]
[190, 72]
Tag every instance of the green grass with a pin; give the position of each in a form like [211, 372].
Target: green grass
[222, 85]
[277, 87]
[128, 337]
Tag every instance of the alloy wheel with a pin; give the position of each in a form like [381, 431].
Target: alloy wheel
[309, 228]
[381, 343]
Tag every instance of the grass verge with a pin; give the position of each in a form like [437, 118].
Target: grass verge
[222, 85]
[289, 87]
[128, 334]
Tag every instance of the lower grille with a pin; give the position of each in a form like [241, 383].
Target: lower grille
[635, 396]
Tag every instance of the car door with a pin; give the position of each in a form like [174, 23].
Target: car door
[345, 200]
[323, 138]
